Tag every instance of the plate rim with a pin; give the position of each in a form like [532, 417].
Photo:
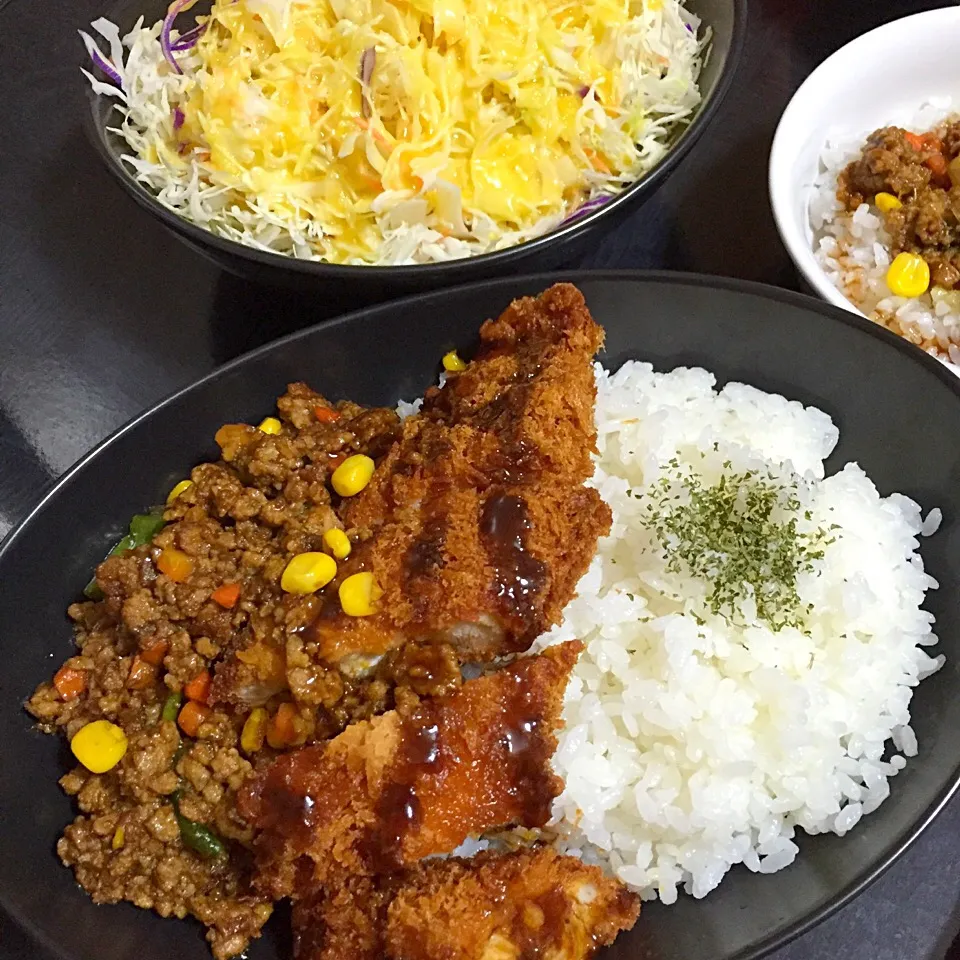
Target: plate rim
[762, 291]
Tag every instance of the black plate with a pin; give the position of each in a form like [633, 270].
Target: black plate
[899, 415]
[727, 21]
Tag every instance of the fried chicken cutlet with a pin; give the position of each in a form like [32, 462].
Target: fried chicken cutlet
[477, 524]
[531, 903]
[413, 782]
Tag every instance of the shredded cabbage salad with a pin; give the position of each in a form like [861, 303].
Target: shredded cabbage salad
[398, 131]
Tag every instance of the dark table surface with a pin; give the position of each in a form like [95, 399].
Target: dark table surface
[102, 313]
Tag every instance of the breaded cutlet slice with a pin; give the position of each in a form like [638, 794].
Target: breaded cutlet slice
[412, 782]
[529, 903]
[343, 921]
[477, 524]
[494, 906]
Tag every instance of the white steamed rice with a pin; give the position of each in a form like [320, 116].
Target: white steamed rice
[854, 250]
[691, 748]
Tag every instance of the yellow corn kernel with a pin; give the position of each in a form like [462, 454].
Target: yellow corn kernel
[359, 594]
[352, 475]
[174, 564]
[270, 425]
[308, 572]
[909, 275]
[178, 489]
[337, 542]
[452, 362]
[887, 202]
[99, 745]
[118, 838]
[254, 730]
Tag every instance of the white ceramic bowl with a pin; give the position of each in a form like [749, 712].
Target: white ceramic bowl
[881, 78]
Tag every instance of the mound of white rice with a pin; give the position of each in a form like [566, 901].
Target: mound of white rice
[854, 251]
[692, 744]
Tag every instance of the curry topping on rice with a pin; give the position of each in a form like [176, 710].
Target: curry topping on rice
[914, 181]
[267, 697]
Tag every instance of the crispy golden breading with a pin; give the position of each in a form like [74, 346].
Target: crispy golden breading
[342, 922]
[412, 782]
[477, 524]
[530, 903]
[525, 904]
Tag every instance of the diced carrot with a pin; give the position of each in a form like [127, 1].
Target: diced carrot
[175, 564]
[937, 163]
[326, 414]
[199, 687]
[226, 595]
[142, 674]
[192, 714]
[155, 652]
[70, 683]
[282, 728]
[914, 139]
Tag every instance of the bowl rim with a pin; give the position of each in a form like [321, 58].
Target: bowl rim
[782, 196]
[767, 292]
[441, 270]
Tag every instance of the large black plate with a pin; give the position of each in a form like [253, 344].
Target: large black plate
[899, 415]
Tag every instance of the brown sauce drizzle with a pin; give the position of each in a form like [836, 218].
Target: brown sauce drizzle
[516, 463]
[398, 807]
[286, 807]
[511, 763]
[330, 611]
[539, 925]
[519, 577]
[527, 749]
[517, 457]
[425, 555]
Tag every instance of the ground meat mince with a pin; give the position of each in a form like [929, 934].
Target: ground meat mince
[923, 173]
[152, 635]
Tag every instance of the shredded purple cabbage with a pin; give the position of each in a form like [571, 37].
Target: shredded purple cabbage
[105, 66]
[367, 63]
[188, 40]
[583, 91]
[166, 44]
[585, 208]
[178, 118]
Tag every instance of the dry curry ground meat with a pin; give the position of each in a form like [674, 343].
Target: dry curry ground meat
[158, 631]
[923, 173]
[201, 660]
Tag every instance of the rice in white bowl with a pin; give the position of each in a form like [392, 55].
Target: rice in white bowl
[854, 250]
[693, 744]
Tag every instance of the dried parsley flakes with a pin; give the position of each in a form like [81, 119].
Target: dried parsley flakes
[739, 535]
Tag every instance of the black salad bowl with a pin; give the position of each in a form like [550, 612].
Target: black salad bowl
[368, 284]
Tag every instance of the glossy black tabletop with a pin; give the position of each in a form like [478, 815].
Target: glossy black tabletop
[102, 313]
